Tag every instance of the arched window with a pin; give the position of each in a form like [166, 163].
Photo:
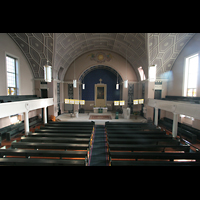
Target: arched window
[141, 72]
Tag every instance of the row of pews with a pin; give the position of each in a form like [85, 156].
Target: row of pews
[142, 144]
[54, 144]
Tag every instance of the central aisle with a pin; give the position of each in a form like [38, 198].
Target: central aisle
[99, 155]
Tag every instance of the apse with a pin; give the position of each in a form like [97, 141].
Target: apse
[93, 78]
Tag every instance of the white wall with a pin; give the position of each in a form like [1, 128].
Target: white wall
[176, 78]
[84, 62]
[26, 81]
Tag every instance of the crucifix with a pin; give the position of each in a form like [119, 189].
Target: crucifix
[100, 80]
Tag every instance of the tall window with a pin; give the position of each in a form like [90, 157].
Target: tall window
[191, 72]
[12, 75]
[142, 75]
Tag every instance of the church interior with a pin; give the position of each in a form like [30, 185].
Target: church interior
[100, 99]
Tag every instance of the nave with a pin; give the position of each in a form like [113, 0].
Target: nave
[88, 144]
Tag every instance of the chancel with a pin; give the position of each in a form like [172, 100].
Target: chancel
[117, 98]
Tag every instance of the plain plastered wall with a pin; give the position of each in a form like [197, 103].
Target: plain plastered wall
[176, 76]
[26, 79]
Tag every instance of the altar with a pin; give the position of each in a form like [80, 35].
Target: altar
[100, 109]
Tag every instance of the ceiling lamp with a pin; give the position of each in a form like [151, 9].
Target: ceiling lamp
[47, 69]
[152, 73]
[117, 85]
[126, 84]
[47, 72]
[83, 86]
[74, 83]
[126, 81]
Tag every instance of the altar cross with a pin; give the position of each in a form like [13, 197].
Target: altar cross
[100, 80]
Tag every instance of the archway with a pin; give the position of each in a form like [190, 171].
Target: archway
[109, 76]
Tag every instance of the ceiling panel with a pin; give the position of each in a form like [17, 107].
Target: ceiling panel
[163, 48]
[34, 46]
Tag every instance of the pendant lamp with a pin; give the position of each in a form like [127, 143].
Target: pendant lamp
[47, 72]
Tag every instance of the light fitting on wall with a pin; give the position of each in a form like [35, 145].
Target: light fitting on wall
[47, 69]
[138, 101]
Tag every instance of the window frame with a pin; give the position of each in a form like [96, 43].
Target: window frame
[185, 80]
[16, 65]
[186, 75]
[141, 73]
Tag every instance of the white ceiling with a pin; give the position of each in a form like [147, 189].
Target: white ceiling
[64, 48]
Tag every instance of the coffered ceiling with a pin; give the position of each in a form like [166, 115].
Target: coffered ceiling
[64, 48]
[164, 48]
[36, 47]
[69, 46]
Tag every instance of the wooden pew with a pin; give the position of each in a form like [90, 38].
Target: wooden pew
[38, 145]
[109, 123]
[153, 163]
[144, 141]
[60, 135]
[62, 131]
[147, 132]
[68, 125]
[57, 140]
[42, 153]
[137, 136]
[148, 147]
[66, 128]
[40, 162]
[148, 155]
[70, 122]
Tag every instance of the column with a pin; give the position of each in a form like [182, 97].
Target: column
[26, 123]
[156, 117]
[175, 125]
[45, 115]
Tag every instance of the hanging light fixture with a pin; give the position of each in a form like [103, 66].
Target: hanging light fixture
[152, 73]
[152, 68]
[47, 72]
[126, 84]
[47, 69]
[126, 81]
[117, 85]
[74, 81]
[83, 85]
